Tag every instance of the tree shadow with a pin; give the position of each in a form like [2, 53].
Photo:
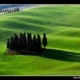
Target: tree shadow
[61, 55]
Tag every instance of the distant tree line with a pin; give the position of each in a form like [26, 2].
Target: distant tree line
[27, 44]
[9, 10]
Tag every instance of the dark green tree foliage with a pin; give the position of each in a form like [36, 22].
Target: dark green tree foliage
[9, 10]
[12, 43]
[21, 41]
[28, 44]
[28, 41]
[17, 9]
[16, 42]
[25, 40]
[0, 10]
[8, 43]
[34, 43]
[44, 40]
[39, 43]
[3, 10]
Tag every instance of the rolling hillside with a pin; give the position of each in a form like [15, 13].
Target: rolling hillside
[62, 26]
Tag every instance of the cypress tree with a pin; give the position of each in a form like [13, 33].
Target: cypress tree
[0, 10]
[29, 42]
[28, 46]
[10, 11]
[11, 43]
[14, 9]
[44, 40]
[8, 44]
[17, 9]
[34, 43]
[7, 11]
[21, 41]
[16, 42]
[25, 40]
[29, 35]
[38, 43]
[30, 39]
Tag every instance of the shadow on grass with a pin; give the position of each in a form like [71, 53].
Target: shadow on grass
[58, 55]
[61, 55]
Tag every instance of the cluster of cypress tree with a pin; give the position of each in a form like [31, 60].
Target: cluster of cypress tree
[9, 10]
[28, 44]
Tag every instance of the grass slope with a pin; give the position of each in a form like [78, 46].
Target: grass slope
[62, 26]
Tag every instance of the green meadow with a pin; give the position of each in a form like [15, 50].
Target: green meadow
[62, 27]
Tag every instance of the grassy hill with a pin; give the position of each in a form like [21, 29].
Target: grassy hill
[62, 26]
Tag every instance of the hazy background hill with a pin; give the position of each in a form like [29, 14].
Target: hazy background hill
[21, 6]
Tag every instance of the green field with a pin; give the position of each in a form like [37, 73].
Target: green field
[62, 27]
